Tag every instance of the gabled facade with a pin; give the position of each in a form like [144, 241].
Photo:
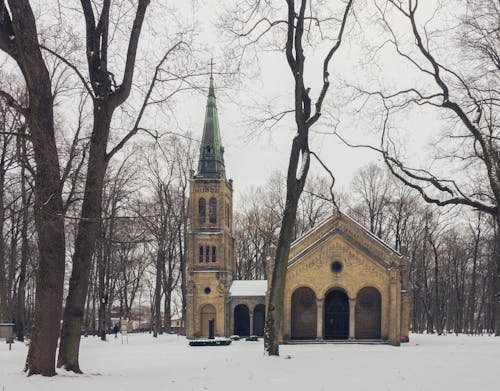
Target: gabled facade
[344, 283]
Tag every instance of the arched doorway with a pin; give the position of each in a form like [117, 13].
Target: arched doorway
[368, 313]
[259, 315]
[304, 314]
[207, 312]
[336, 315]
[241, 320]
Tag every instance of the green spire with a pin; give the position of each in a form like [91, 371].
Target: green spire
[211, 162]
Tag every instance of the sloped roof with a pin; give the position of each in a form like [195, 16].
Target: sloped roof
[211, 159]
[248, 288]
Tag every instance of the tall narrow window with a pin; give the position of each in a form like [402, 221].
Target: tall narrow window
[202, 203]
[213, 210]
[207, 254]
[201, 254]
[214, 254]
[227, 215]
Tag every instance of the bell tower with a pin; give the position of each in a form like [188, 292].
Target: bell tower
[210, 241]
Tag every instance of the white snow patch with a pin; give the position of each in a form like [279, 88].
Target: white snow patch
[427, 362]
[248, 288]
[305, 159]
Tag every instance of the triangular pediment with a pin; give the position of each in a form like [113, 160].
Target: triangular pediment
[352, 234]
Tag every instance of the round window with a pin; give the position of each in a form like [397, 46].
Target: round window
[207, 290]
[336, 266]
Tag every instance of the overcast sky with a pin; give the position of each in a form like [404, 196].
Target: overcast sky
[251, 156]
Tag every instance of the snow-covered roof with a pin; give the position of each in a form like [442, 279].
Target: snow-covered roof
[248, 288]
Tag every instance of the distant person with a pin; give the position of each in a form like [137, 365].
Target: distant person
[115, 330]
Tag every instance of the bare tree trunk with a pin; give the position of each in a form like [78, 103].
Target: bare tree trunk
[160, 262]
[19, 39]
[88, 227]
[496, 295]
[274, 316]
[300, 153]
[106, 98]
[471, 310]
[436, 308]
[21, 294]
[3, 280]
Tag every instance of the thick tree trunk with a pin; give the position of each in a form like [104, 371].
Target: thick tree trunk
[88, 227]
[497, 275]
[274, 316]
[19, 39]
[3, 280]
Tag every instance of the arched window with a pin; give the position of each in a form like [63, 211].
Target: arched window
[201, 210]
[214, 254]
[207, 254]
[201, 254]
[213, 211]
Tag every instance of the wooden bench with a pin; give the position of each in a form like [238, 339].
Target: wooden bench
[7, 333]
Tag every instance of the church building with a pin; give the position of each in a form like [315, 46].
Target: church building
[343, 283]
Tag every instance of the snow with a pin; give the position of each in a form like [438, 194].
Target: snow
[248, 288]
[428, 362]
[305, 160]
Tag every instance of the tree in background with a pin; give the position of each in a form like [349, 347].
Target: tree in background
[453, 73]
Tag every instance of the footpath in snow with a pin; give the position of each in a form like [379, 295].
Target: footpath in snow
[427, 363]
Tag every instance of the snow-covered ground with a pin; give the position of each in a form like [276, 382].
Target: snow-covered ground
[427, 363]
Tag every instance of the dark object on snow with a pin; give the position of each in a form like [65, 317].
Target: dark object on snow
[7, 333]
[252, 338]
[235, 337]
[210, 342]
[115, 330]
[211, 325]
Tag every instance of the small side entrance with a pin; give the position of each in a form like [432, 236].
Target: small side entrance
[259, 315]
[336, 315]
[241, 320]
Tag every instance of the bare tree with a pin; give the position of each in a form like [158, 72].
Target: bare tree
[295, 28]
[19, 40]
[373, 190]
[461, 84]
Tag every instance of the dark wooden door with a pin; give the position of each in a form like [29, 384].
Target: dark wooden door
[337, 315]
[368, 313]
[304, 315]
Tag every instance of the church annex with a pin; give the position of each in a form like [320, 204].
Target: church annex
[343, 283]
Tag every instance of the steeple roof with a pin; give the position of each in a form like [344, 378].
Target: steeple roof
[211, 159]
